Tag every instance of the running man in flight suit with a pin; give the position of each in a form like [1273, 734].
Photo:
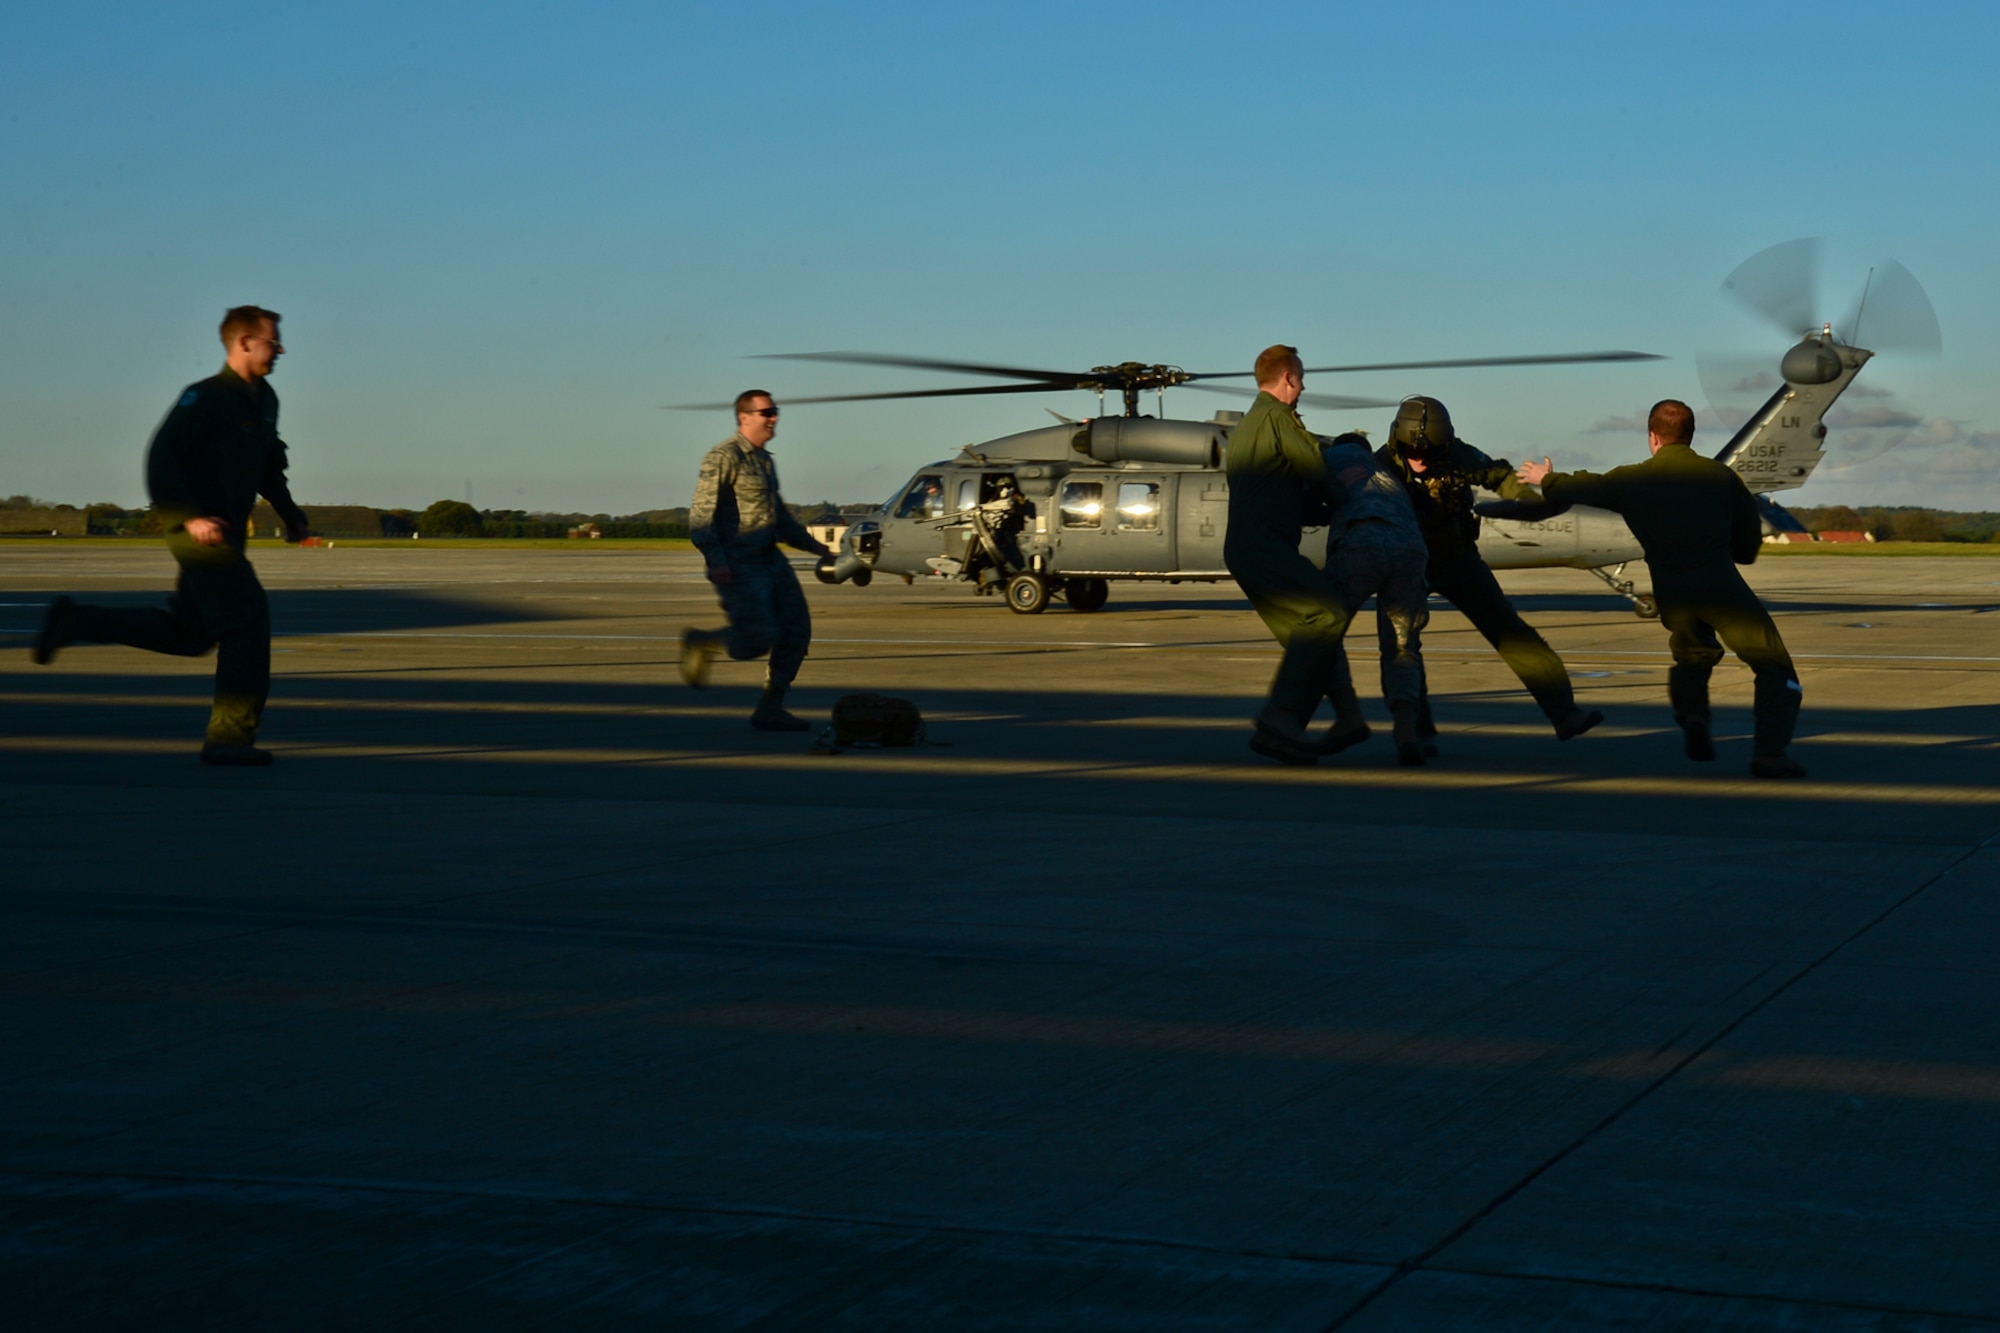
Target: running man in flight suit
[217, 450]
[1697, 522]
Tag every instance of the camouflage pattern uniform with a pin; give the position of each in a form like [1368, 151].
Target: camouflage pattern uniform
[217, 450]
[738, 519]
[1275, 470]
[1375, 549]
[1442, 497]
[1697, 521]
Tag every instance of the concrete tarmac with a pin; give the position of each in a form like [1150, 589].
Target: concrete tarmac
[532, 989]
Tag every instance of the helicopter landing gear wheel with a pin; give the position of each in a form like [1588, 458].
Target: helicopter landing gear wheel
[1028, 594]
[1087, 594]
[1645, 607]
[863, 577]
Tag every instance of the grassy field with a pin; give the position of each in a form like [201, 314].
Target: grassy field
[1864, 550]
[425, 544]
[1844, 551]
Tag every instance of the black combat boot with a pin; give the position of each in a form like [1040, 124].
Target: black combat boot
[1575, 722]
[236, 755]
[1780, 765]
[1410, 751]
[1281, 736]
[1700, 746]
[1427, 732]
[771, 714]
[1349, 726]
[58, 631]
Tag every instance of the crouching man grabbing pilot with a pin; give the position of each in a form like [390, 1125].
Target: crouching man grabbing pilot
[1375, 548]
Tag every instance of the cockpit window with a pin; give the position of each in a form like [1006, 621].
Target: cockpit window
[968, 493]
[1138, 506]
[1083, 504]
[924, 499]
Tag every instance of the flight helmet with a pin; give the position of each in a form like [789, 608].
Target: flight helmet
[1422, 429]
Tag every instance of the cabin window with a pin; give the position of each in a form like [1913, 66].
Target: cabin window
[1138, 506]
[924, 499]
[968, 493]
[1083, 504]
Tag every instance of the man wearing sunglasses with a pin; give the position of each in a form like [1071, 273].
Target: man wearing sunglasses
[217, 450]
[737, 521]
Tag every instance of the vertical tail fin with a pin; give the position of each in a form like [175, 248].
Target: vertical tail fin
[1783, 441]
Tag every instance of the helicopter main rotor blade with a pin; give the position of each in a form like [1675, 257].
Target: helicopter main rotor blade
[1067, 378]
[875, 397]
[1781, 284]
[1331, 402]
[1556, 359]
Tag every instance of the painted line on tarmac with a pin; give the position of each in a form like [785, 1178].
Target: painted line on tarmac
[1912, 1079]
[1896, 739]
[1660, 656]
[942, 766]
[441, 706]
[675, 638]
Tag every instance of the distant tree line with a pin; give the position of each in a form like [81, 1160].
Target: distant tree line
[446, 518]
[1903, 523]
[456, 518]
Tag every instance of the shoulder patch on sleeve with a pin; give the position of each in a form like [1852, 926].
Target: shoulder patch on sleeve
[190, 398]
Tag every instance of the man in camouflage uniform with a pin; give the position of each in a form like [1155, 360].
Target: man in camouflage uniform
[1375, 549]
[737, 520]
[1439, 471]
[1275, 471]
[1697, 522]
[217, 450]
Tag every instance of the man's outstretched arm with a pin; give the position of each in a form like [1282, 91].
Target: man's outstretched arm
[1567, 488]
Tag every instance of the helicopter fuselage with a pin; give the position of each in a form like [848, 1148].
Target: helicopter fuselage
[1118, 499]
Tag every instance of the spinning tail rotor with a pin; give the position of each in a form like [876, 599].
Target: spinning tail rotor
[1890, 313]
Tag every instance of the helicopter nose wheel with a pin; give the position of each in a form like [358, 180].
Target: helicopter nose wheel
[1028, 594]
[1087, 594]
[862, 577]
[1645, 607]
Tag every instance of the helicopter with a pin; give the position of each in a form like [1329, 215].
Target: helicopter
[1064, 511]
[1061, 512]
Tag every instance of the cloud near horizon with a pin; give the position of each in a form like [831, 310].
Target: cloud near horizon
[1617, 426]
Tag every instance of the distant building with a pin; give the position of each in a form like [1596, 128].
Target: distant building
[586, 530]
[1847, 536]
[828, 534]
[1786, 538]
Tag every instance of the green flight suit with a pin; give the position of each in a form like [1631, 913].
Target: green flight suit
[217, 450]
[1275, 469]
[1442, 497]
[1697, 522]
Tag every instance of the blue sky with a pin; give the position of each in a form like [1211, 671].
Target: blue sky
[504, 234]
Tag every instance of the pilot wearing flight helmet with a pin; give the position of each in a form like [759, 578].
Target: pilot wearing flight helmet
[1439, 471]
